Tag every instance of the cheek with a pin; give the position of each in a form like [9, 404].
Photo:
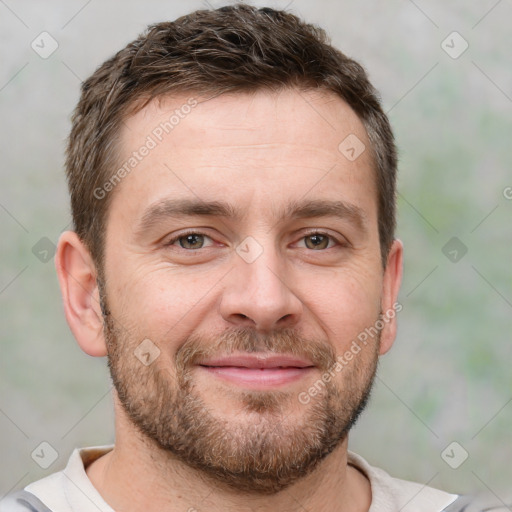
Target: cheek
[163, 304]
[346, 303]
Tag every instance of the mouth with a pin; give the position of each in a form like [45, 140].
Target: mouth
[258, 371]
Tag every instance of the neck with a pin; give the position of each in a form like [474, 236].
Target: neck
[136, 475]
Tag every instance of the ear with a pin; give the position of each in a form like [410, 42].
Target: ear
[390, 306]
[77, 278]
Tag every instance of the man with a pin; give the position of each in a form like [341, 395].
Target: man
[232, 181]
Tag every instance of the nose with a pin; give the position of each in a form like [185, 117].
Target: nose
[260, 295]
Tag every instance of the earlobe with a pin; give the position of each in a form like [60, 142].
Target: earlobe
[389, 304]
[77, 278]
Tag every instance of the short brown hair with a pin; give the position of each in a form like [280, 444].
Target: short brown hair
[231, 49]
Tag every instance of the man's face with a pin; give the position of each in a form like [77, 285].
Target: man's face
[241, 316]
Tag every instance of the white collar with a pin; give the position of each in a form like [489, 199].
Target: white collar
[71, 489]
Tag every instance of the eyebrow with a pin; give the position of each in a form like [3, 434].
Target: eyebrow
[180, 208]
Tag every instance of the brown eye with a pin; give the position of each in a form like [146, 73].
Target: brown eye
[190, 241]
[317, 241]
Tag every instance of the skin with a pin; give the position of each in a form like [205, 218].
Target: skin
[257, 152]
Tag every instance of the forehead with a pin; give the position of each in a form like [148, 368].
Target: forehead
[315, 117]
[285, 144]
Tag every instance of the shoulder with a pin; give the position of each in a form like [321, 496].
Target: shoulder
[478, 503]
[69, 489]
[22, 501]
[391, 494]
[34, 497]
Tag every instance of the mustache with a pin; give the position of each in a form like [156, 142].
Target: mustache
[199, 347]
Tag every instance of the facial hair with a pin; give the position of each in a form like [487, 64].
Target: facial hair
[267, 450]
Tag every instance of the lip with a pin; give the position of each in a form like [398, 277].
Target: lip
[258, 371]
[258, 361]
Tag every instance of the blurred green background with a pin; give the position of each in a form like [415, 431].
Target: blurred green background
[448, 376]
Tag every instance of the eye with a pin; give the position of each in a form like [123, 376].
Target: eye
[189, 241]
[319, 241]
[193, 240]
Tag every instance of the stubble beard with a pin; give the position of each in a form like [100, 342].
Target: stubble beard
[266, 451]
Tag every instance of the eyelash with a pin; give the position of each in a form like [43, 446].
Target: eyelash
[311, 233]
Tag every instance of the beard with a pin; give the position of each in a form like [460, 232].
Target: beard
[275, 440]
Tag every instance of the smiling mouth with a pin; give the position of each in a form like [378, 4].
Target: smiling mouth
[258, 372]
